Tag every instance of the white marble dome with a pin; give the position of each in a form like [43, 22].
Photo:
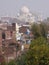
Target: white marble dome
[25, 9]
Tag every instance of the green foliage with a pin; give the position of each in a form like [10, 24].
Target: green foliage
[3, 63]
[36, 30]
[43, 29]
[21, 60]
[38, 53]
[12, 62]
[39, 30]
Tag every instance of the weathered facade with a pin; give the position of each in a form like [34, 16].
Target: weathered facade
[8, 41]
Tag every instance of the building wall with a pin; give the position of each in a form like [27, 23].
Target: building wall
[8, 34]
[0, 38]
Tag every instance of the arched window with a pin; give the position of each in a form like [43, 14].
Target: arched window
[3, 35]
[11, 33]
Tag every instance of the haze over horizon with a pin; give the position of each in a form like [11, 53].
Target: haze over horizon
[12, 7]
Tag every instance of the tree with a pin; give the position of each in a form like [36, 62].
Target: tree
[21, 60]
[43, 29]
[39, 29]
[38, 53]
[12, 62]
[35, 28]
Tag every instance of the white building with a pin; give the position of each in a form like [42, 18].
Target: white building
[26, 15]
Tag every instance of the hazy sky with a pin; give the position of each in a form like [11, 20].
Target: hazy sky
[11, 7]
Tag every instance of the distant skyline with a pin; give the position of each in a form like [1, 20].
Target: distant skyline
[12, 7]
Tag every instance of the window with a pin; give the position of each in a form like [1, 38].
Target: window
[3, 35]
[11, 33]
